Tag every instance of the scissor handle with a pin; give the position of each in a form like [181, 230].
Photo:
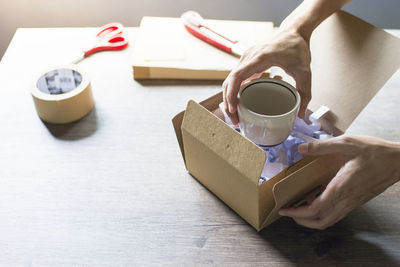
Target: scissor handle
[110, 37]
[116, 42]
[110, 29]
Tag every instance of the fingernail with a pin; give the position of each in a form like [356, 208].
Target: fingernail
[303, 148]
[230, 108]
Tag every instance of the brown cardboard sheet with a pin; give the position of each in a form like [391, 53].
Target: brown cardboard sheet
[164, 49]
[351, 61]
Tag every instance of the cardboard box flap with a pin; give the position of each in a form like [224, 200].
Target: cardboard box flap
[210, 103]
[351, 61]
[177, 122]
[267, 201]
[296, 185]
[240, 153]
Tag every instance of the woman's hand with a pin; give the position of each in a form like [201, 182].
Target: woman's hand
[288, 50]
[371, 166]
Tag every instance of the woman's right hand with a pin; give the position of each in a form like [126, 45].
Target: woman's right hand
[288, 50]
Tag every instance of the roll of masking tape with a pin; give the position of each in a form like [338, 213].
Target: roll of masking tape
[62, 94]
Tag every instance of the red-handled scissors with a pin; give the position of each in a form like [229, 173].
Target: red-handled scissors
[110, 37]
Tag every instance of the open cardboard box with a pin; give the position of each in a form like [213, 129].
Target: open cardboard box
[351, 61]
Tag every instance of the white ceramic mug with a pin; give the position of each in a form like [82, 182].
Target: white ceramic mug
[267, 110]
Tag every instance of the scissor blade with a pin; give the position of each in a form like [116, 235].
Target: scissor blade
[78, 58]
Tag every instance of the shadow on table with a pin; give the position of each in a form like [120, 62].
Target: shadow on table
[75, 130]
[349, 241]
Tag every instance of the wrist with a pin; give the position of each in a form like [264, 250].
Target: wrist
[394, 156]
[309, 14]
[397, 157]
[298, 25]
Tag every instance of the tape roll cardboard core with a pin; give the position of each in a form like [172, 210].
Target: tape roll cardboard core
[62, 94]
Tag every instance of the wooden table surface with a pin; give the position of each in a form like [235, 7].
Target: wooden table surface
[112, 189]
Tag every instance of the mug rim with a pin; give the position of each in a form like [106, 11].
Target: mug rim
[276, 81]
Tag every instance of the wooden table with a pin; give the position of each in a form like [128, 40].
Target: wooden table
[112, 189]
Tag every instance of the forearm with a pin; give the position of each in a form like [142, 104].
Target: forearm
[309, 14]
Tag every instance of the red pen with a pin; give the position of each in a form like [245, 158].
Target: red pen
[196, 25]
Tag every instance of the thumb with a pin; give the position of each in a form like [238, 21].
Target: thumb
[323, 147]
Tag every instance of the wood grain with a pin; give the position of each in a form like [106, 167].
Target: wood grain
[112, 190]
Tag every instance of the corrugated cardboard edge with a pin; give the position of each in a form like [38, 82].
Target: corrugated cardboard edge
[145, 72]
[141, 72]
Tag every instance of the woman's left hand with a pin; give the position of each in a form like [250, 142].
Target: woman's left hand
[371, 166]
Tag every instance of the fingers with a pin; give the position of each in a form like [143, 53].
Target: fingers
[252, 77]
[325, 217]
[303, 86]
[320, 223]
[321, 214]
[232, 116]
[233, 82]
[310, 211]
[287, 50]
[335, 202]
[231, 89]
[342, 144]
[232, 92]
[302, 212]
